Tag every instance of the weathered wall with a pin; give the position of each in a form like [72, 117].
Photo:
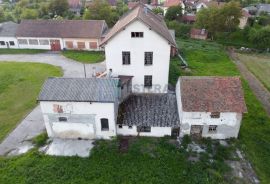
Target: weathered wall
[228, 124]
[151, 42]
[155, 131]
[87, 42]
[78, 111]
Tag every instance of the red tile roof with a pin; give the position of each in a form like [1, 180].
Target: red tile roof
[189, 18]
[151, 20]
[169, 3]
[62, 28]
[212, 94]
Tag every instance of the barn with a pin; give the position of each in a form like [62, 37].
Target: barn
[58, 35]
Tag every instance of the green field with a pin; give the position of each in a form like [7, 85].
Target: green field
[20, 84]
[208, 58]
[21, 51]
[259, 65]
[85, 56]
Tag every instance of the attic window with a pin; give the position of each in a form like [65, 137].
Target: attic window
[215, 115]
[136, 34]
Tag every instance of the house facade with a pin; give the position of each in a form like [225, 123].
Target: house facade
[140, 41]
[7, 35]
[61, 35]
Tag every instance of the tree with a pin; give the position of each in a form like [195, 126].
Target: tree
[173, 13]
[121, 8]
[101, 10]
[260, 37]
[29, 14]
[158, 10]
[224, 19]
[2, 15]
[58, 7]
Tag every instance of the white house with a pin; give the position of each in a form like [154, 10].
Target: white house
[139, 45]
[61, 34]
[7, 35]
[210, 106]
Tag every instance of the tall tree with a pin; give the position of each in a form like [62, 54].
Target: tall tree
[58, 7]
[173, 13]
[29, 14]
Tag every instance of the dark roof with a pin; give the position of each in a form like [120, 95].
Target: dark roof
[201, 32]
[189, 18]
[124, 79]
[62, 28]
[80, 90]
[155, 22]
[8, 29]
[156, 110]
[212, 94]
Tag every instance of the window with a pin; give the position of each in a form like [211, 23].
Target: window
[33, 42]
[120, 126]
[62, 119]
[148, 81]
[126, 58]
[136, 34]
[23, 41]
[212, 128]
[81, 45]
[93, 45]
[130, 127]
[148, 58]
[57, 108]
[44, 42]
[143, 129]
[11, 43]
[69, 44]
[104, 124]
[2, 43]
[215, 115]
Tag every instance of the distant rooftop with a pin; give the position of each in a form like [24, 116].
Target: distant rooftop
[8, 29]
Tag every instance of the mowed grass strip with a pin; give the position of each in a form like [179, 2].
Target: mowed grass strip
[20, 84]
[85, 56]
[210, 59]
[21, 51]
[259, 65]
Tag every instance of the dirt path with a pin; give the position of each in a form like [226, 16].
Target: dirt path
[257, 87]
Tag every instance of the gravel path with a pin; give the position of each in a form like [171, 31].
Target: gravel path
[18, 141]
[257, 87]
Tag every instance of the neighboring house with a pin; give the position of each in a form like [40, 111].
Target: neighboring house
[208, 3]
[133, 99]
[263, 8]
[75, 6]
[61, 34]
[244, 19]
[140, 41]
[200, 34]
[210, 106]
[7, 35]
[169, 3]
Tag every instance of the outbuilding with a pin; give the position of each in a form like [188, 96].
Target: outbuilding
[57, 35]
[210, 106]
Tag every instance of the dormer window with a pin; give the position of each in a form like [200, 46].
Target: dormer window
[136, 34]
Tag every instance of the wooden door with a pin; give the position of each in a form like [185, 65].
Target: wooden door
[55, 45]
[196, 131]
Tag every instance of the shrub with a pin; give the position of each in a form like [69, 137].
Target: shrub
[40, 140]
[185, 141]
[181, 30]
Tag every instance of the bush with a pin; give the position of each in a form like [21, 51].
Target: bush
[185, 141]
[181, 30]
[260, 37]
[40, 140]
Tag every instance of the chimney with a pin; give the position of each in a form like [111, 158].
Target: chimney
[145, 10]
[202, 31]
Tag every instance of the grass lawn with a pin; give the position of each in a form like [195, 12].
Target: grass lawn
[207, 58]
[85, 56]
[21, 51]
[259, 65]
[20, 84]
[148, 160]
